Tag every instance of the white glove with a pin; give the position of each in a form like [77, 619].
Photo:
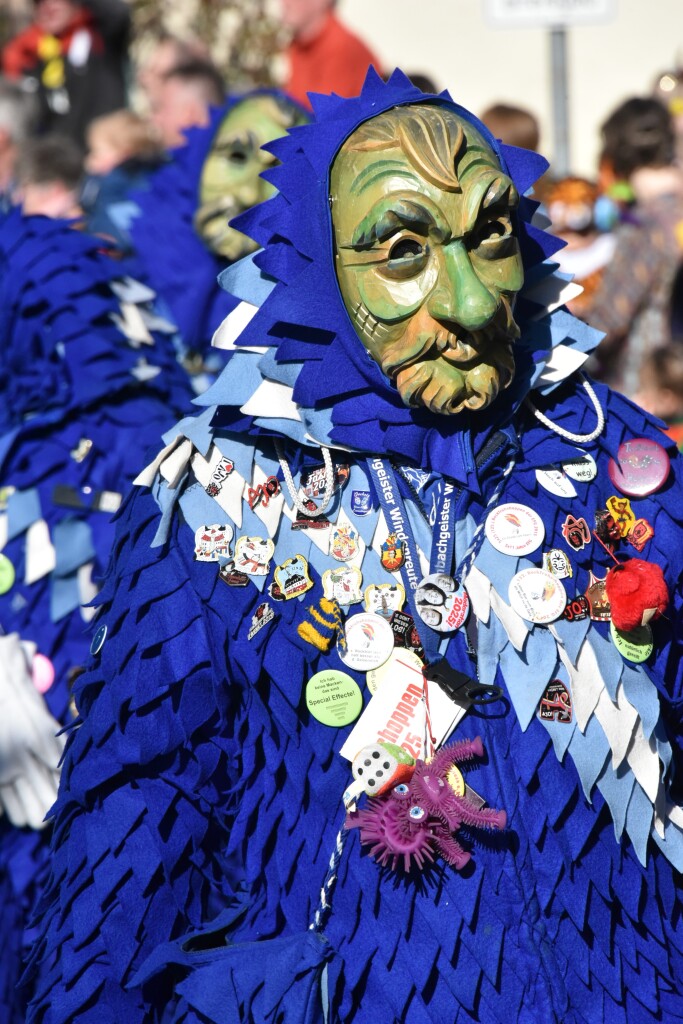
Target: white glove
[30, 750]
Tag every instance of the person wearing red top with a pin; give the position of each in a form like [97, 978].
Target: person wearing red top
[324, 56]
[72, 56]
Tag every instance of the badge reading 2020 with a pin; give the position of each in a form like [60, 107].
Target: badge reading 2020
[537, 595]
[441, 602]
[369, 641]
[515, 529]
[333, 697]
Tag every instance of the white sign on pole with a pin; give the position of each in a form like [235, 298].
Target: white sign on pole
[547, 13]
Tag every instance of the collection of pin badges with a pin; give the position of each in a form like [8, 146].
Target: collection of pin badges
[372, 638]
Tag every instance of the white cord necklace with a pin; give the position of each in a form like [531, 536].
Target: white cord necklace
[576, 438]
[293, 490]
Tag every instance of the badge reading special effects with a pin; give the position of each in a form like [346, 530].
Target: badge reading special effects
[343, 585]
[514, 529]
[441, 602]
[537, 595]
[292, 577]
[369, 641]
[641, 467]
[333, 697]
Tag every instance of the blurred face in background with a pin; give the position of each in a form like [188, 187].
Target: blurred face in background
[49, 199]
[55, 16]
[302, 16]
[178, 105]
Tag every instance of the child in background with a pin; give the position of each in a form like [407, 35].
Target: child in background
[48, 176]
[122, 152]
[661, 388]
[584, 219]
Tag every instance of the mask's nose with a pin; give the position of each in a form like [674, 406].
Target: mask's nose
[460, 296]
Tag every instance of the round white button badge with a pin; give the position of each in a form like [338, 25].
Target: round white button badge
[515, 529]
[537, 595]
[369, 640]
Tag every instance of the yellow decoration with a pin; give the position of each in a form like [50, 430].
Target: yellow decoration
[622, 513]
[49, 47]
[53, 74]
[456, 781]
[326, 615]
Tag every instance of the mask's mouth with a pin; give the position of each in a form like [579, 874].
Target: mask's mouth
[208, 214]
[458, 346]
[211, 222]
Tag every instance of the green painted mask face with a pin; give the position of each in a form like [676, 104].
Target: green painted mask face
[230, 181]
[426, 258]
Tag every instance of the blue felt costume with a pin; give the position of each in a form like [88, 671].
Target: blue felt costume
[88, 379]
[200, 796]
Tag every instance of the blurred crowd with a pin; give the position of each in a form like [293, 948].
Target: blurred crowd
[623, 231]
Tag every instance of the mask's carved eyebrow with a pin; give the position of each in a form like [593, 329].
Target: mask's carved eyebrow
[374, 171]
[491, 190]
[246, 139]
[384, 222]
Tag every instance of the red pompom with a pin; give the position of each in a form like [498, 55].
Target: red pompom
[637, 592]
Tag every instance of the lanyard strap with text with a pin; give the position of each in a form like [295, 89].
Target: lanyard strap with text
[393, 507]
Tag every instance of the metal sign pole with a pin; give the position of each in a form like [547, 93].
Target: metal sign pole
[561, 164]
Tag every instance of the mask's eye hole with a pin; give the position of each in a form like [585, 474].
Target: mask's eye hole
[405, 249]
[493, 230]
[238, 155]
[416, 813]
[401, 789]
[493, 238]
[406, 258]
